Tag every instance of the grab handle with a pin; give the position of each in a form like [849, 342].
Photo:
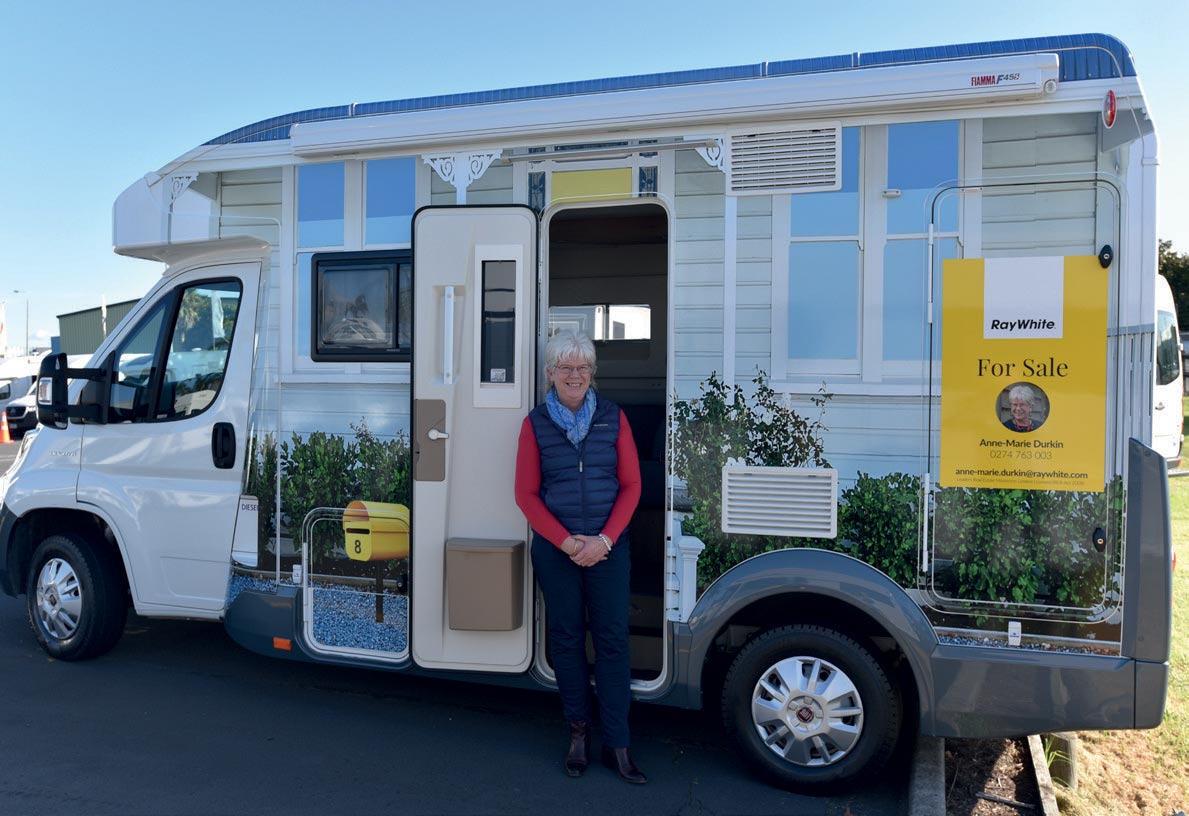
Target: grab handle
[448, 335]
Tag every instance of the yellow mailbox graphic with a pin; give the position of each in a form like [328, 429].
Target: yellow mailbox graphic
[376, 531]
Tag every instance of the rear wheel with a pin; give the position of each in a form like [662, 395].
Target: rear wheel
[810, 708]
[75, 598]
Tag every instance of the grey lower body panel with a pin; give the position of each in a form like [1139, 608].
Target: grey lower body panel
[988, 692]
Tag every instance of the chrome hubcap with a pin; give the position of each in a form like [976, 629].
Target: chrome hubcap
[807, 711]
[59, 599]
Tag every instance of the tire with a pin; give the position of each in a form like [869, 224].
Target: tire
[75, 598]
[781, 721]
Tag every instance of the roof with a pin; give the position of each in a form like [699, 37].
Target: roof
[1081, 57]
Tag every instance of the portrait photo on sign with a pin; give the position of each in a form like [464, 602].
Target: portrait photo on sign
[1022, 407]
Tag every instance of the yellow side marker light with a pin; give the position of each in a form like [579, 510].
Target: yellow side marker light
[284, 644]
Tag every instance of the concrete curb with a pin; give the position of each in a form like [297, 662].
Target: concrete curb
[926, 783]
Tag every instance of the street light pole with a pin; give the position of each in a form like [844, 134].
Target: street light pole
[25, 292]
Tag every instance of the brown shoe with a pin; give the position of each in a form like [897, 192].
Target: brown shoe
[620, 761]
[578, 756]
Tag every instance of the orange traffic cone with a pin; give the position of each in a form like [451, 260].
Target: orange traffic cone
[4, 436]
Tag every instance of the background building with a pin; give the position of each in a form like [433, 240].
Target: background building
[82, 332]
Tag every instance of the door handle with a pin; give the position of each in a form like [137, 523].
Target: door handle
[435, 434]
[223, 445]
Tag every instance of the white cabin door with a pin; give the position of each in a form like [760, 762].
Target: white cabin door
[167, 467]
[474, 279]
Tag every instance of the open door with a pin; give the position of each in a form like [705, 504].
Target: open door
[474, 278]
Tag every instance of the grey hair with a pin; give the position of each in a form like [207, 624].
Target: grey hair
[567, 344]
[1023, 392]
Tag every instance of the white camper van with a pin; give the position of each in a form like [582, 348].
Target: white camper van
[882, 326]
[1168, 416]
[17, 374]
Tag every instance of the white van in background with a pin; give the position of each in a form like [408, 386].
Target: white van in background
[1167, 416]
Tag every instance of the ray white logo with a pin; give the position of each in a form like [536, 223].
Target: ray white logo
[992, 79]
[1023, 298]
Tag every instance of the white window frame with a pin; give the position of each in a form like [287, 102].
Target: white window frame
[297, 366]
[869, 372]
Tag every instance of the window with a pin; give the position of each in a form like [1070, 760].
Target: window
[390, 201]
[180, 378]
[320, 204]
[604, 322]
[825, 269]
[498, 334]
[362, 306]
[1168, 349]
[857, 281]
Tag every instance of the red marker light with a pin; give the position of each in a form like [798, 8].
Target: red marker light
[1109, 109]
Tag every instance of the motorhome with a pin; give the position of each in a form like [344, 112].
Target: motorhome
[881, 323]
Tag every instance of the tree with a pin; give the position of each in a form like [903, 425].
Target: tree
[1175, 267]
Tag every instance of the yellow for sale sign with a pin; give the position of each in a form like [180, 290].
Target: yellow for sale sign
[1023, 382]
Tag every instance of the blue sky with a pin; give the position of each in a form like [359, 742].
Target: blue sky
[95, 95]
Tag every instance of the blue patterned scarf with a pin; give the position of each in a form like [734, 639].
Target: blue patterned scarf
[576, 426]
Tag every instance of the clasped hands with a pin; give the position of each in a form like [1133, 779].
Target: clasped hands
[584, 550]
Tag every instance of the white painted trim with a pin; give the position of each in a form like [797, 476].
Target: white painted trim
[873, 227]
[782, 208]
[729, 286]
[287, 270]
[970, 210]
[353, 205]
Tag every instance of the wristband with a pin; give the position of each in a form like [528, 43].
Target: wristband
[606, 541]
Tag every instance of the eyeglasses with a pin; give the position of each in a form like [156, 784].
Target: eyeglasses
[566, 370]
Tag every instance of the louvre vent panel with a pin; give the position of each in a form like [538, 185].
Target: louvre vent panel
[798, 160]
[795, 502]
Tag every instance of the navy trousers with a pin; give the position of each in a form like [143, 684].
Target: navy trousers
[600, 594]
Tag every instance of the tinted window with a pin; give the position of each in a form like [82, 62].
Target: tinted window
[198, 348]
[1168, 350]
[362, 306]
[135, 362]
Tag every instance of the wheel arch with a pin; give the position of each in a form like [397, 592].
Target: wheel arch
[36, 525]
[812, 587]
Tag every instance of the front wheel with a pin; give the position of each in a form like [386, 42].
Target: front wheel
[75, 598]
[810, 708]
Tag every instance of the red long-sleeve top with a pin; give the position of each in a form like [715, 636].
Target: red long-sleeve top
[528, 485]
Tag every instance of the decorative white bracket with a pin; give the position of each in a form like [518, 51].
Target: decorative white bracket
[460, 169]
[713, 154]
[179, 184]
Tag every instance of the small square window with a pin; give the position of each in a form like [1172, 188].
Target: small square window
[362, 307]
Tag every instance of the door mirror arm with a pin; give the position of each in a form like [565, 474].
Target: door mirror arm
[53, 399]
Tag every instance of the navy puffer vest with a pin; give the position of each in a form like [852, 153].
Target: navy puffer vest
[579, 485]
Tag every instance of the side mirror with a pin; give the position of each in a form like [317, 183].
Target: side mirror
[53, 398]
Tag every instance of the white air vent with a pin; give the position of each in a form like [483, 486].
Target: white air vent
[795, 160]
[785, 501]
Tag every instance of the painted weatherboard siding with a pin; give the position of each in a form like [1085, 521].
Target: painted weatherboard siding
[697, 271]
[493, 187]
[753, 288]
[876, 436]
[250, 204]
[1029, 220]
[385, 408]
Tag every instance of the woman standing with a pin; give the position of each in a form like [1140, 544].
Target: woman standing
[578, 483]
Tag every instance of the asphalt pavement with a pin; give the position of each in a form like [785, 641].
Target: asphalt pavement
[177, 719]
